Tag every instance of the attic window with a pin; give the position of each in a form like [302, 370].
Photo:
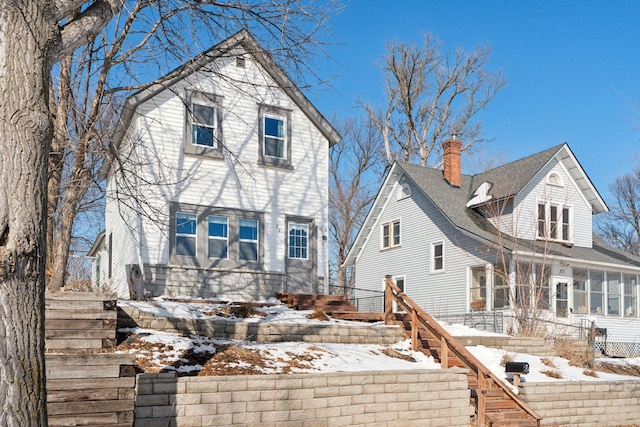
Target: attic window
[240, 61]
[404, 191]
[554, 179]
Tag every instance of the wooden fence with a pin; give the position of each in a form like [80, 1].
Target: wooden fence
[87, 383]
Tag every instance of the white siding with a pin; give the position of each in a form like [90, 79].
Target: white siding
[238, 181]
[568, 195]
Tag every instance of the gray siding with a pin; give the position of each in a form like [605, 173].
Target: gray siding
[439, 293]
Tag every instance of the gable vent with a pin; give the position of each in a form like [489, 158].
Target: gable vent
[240, 61]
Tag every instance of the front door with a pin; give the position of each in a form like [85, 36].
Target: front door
[562, 299]
[300, 256]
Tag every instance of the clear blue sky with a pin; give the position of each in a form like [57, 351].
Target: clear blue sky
[573, 68]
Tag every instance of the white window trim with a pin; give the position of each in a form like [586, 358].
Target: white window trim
[283, 138]
[404, 191]
[194, 235]
[547, 212]
[433, 257]
[552, 174]
[306, 226]
[391, 243]
[226, 239]
[213, 127]
[256, 240]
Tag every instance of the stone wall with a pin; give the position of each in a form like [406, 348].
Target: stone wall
[380, 398]
[528, 345]
[263, 332]
[587, 403]
[242, 285]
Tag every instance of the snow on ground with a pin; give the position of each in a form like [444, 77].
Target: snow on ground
[159, 351]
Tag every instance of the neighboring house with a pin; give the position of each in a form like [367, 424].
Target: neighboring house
[519, 235]
[224, 190]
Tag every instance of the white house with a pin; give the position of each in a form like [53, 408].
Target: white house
[519, 235]
[221, 188]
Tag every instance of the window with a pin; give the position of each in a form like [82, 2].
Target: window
[478, 288]
[579, 291]
[566, 232]
[524, 284]
[203, 124]
[437, 257]
[554, 179]
[613, 293]
[274, 129]
[298, 240]
[595, 290]
[542, 220]
[554, 222]
[218, 237]
[500, 287]
[214, 237]
[186, 234]
[248, 234]
[390, 234]
[630, 294]
[542, 277]
[404, 191]
[274, 137]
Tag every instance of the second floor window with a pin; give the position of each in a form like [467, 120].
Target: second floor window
[554, 222]
[203, 125]
[390, 234]
[275, 139]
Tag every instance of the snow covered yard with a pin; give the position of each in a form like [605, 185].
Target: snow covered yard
[196, 355]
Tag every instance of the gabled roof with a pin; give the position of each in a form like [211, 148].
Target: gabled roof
[452, 203]
[240, 39]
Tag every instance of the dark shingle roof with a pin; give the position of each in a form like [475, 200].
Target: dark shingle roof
[507, 180]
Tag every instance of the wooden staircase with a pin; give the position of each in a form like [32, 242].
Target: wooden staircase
[496, 404]
[326, 303]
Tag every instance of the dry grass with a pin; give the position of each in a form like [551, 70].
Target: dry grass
[318, 315]
[618, 369]
[392, 353]
[552, 374]
[508, 357]
[590, 373]
[243, 310]
[547, 362]
[576, 355]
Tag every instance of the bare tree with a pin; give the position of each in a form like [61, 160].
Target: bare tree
[430, 96]
[355, 170]
[91, 84]
[621, 226]
[35, 35]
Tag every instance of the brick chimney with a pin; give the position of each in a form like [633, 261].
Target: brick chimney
[452, 148]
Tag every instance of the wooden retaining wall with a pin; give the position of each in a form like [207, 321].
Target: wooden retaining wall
[87, 384]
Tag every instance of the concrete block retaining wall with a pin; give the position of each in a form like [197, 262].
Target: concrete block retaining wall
[380, 398]
[588, 403]
[535, 346]
[264, 332]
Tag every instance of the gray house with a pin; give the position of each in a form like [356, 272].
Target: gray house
[517, 237]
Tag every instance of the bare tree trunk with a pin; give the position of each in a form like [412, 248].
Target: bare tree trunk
[56, 157]
[25, 128]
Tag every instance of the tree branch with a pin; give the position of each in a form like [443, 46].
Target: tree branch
[84, 27]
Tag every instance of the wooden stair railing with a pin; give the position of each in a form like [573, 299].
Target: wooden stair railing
[496, 403]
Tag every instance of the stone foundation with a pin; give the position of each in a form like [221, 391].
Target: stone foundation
[239, 285]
